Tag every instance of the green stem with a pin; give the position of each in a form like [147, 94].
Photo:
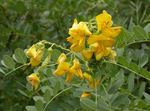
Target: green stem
[140, 41]
[121, 66]
[59, 46]
[56, 96]
[16, 69]
[96, 98]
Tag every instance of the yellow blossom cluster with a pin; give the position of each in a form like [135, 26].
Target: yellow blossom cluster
[34, 80]
[100, 43]
[35, 54]
[65, 68]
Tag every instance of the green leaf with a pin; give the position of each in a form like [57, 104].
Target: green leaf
[134, 68]
[20, 7]
[147, 28]
[142, 89]
[126, 38]
[147, 97]
[36, 98]
[103, 105]
[39, 105]
[2, 71]
[143, 60]
[23, 92]
[131, 82]
[88, 104]
[8, 62]
[39, 102]
[48, 92]
[121, 99]
[117, 82]
[19, 56]
[120, 51]
[139, 33]
[123, 38]
[31, 108]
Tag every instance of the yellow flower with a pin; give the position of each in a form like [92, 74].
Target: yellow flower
[93, 83]
[61, 58]
[112, 55]
[112, 32]
[94, 46]
[62, 68]
[88, 77]
[35, 55]
[34, 80]
[104, 20]
[77, 33]
[78, 46]
[31, 52]
[70, 75]
[85, 95]
[76, 68]
[101, 39]
[87, 54]
[102, 52]
[99, 50]
[79, 29]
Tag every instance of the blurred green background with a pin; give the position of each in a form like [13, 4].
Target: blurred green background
[24, 22]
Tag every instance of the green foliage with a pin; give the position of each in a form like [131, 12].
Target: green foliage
[19, 56]
[124, 85]
[126, 38]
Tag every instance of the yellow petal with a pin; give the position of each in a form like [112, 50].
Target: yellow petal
[77, 47]
[80, 29]
[76, 67]
[112, 32]
[61, 58]
[34, 80]
[100, 52]
[94, 83]
[83, 26]
[112, 55]
[87, 77]
[72, 40]
[62, 68]
[104, 20]
[94, 46]
[79, 73]
[31, 52]
[36, 60]
[69, 77]
[108, 42]
[95, 38]
[87, 54]
[102, 39]
[76, 63]
[85, 95]
[98, 56]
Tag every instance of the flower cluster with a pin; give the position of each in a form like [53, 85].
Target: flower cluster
[65, 68]
[100, 43]
[70, 70]
[35, 54]
[34, 80]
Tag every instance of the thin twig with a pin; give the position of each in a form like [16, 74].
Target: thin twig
[16, 69]
[56, 96]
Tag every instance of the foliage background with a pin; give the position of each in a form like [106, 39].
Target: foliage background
[23, 23]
